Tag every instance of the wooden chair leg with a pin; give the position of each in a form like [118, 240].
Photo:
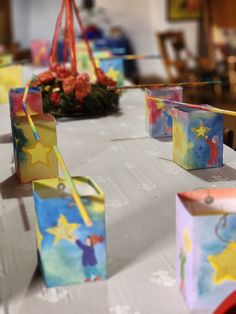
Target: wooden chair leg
[228, 137]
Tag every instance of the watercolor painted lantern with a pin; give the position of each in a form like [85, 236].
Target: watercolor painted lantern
[34, 98]
[206, 246]
[10, 77]
[70, 250]
[158, 117]
[83, 60]
[113, 68]
[40, 52]
[34, 159]
[197, 138]
[5, 59]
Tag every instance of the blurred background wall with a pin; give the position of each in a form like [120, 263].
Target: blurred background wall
[140, 19]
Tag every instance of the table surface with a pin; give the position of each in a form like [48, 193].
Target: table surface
[140, 182]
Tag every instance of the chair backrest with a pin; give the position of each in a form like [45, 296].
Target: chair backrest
[172, 45]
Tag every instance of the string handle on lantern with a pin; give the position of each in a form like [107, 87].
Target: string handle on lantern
[222, 222]
[70, 184]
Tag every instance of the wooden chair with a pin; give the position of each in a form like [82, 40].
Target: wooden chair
[177, 58]
[219, 26]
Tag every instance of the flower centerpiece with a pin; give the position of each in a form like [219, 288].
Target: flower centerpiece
[67, 92]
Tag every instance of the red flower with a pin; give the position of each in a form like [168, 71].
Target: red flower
[55, 99]
[68, 84]
[61, 71]
[83, 86]
[80, 84]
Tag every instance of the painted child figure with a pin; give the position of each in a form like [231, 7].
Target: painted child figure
[89, 260]
[214, 152]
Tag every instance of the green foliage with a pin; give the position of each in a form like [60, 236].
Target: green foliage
[99, 102]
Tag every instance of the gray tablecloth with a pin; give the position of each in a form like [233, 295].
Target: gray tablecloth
[140, 182]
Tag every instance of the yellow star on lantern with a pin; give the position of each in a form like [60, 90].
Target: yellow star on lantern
[38, 153]
[63, 230]
[201, 130]
[113, 74]
[224, 264]
[39, 237]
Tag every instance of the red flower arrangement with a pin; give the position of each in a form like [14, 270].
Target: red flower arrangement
[64, 90]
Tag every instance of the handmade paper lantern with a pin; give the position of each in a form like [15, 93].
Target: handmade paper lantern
[84, 63]
[10, 77]
[66, 91]
[40, 52]
[114, 69]
[6, 59]
[158, 117]
[34, 101]
[34, 160]
[206, 246]
[197, 138]
[70, 252]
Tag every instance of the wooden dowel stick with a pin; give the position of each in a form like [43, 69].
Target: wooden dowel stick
[171, 103]
[189, 84]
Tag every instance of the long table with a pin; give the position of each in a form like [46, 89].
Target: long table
[140, 182]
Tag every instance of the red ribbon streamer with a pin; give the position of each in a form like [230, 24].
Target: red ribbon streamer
[70, 26]
[53, 53]
[66, 45]
[86, 40]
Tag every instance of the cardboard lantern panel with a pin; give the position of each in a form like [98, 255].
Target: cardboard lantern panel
[158, 117]
[34, 160]
[10, 77]
[34, 101]
[40, 52]
[197, 138]
[70, 252]
[206, 246]
[84, 63]
[5, 59]
[114, 69]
